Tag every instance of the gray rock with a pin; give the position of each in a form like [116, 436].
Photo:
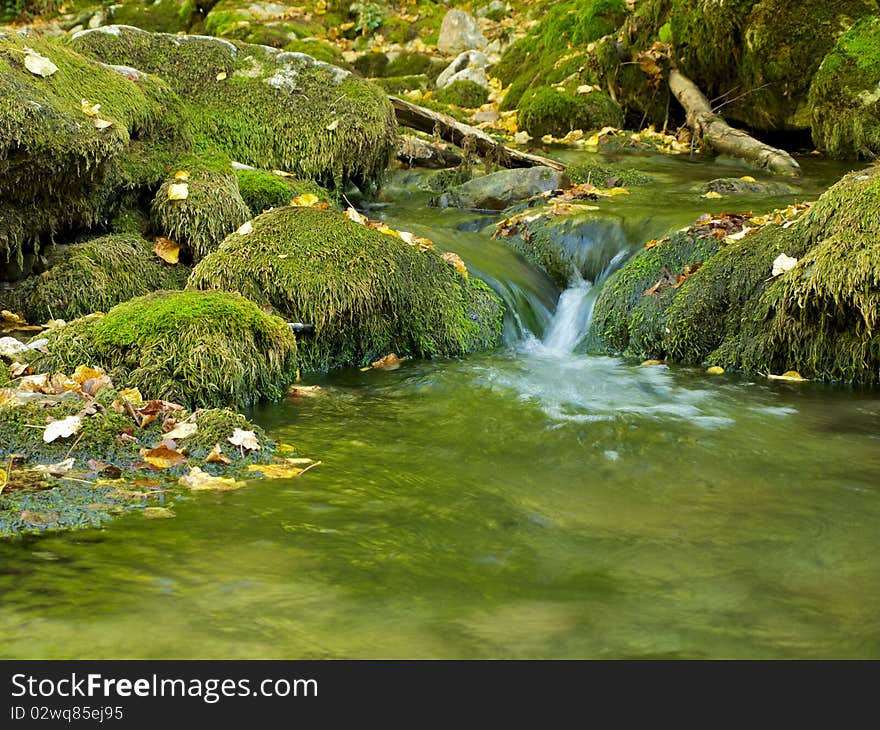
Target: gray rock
[488, 116]
[463, 62]
[500, 189]
[459, 32]
[737, 186]
[10, 347]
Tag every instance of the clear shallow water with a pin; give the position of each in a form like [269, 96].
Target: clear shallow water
[534, 502]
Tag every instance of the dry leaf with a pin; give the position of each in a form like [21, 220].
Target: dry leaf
[178, 191]
[101, 123]
[245, 439]
[307, 200]
[85, 372]
[711, 195]
[715, 370]
[37, 64]
[158, 513]
[217, 456]
[167, 250]
[355, 217]
[333, 125]
[163, 457]
[245, 228]
[792, 376]
[62, 428]
[221, 76]
[132, 395]
[455, 261]
[200, 480]
[182, 175]
[389, 362]
[89, 109]
[182, 430]
[10, 320]
[56, 470]
[287, 469]
[783, 263]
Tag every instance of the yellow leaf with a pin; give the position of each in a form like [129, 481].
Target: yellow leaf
[320, 7]
[585, 89]
[84, 373]
[307, 200]
[648, 363]
[711, 195]
[89, 109]
[199, 480]
[217, 456]
[182, 430]
[715, 370]
[355, 217]
[333, 125]
[167, 250]
[11, 320]
[132, 395]
[246, 227]
[455, 261]
[178, 191]
[748, 178]
[163, 457]
[389, 362]
[521, 138]
[101, 123]
[158, 513]
[592, 141]
[613, 191]
[792, 376]
[62, 428]
[284, 470]
[182, 175]
[221, 76]
[244, 439]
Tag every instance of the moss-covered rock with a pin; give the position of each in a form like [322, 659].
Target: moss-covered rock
[262, 190]
[263, 107]
[57, 170]
[407, 63]
[399, 84]
[547, 110]
[605, 176]
[267, 24]
[819, 318]
[845, 94]
[194, 348]
[166, 16]
[467, 94]
[92, 276]
[212, 209]
[366, 293]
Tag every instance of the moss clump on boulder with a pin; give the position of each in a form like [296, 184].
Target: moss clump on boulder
[556, 112]
[200, 349]
[166, 16]
[262, 190]
[366, 293]
[92, 276]
[605, 176]
[407, 63]
[212, 209]
[399, 84]
[845, 94]
[819, 318]
[467, 94]
[264, 107]
[57, 170]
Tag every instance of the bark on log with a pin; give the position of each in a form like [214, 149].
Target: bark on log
[723, 138]
[416, 117]
[413, 152]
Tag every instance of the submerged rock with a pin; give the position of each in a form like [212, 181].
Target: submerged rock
[500, 189]
[366, 293]
[200, 349]
[741, 186]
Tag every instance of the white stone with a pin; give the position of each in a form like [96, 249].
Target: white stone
[459, 32]
[462, 62]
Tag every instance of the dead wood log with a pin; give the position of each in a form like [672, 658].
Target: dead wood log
[414, 152]
[417, 117]
[720, 136]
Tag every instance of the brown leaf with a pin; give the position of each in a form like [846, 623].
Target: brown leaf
[163, 457]
[217, 456]
[167, 250]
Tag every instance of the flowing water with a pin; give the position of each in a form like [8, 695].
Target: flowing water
[537, 501]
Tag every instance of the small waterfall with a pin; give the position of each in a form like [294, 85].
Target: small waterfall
[571, 320]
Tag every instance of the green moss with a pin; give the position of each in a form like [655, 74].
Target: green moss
[554, 49]
[262, 190]
[371, 65]
[627, 321]
[212, 210]
[193, 348]
[167, 16]
[317, 49]
[845, 95]
[549, 111]
[366, 293]
[5, 374]
[92, 276]
[407, 63]
[57, 171]
[602, 175]
[399, 84]
[467, 94]
[272, 110]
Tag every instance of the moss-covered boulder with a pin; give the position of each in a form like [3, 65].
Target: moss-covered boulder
[498, 190]
[467, 94]
[366, 293]
[211, 209]
[262, 190]
[818, 318]
[261, 106]
[61, 168]
[200, 349]
[556, 112]
[92, 276]
[166, 16]
[845, 94]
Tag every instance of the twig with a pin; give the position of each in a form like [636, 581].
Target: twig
[73, 445]
[310, 466]
[737, 98]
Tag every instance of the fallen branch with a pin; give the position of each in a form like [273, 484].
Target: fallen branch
[413, 152]
[417, 117]
[720, 136]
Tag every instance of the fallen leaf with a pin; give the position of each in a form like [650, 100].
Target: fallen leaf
[649, 363]
[715, 370]
[306, 200]
[62, 428]
[132, 395]
[158, 513]
[167, 250]
[37, 64]
[783, 263]
[108, 470]
[711, 195]
[163, 457]
[56, 470]
[221, 76]
[455, 261]
[182, 430]
[792, 376]
[182, 175]
[86, 372]
[245, 228]
[217, 456]
[89, 109]
[748, 178]
[285, 470]
[36, 518]
[245, 439]
[11, 320]
[333, 125]
[178, 191]
[199, 480]
[101, 123]
[355, 217]
[390, 362]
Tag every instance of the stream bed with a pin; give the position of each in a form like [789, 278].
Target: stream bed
[534, 502]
